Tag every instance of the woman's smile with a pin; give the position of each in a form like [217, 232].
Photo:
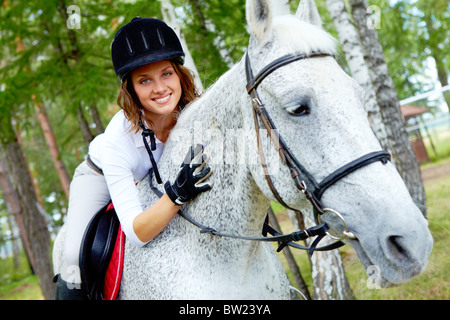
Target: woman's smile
[162, 100]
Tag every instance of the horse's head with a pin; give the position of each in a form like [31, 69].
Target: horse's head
[319, 113]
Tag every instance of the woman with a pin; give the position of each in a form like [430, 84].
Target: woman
[148, 59]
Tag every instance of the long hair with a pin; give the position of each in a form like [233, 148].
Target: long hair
[132, 107]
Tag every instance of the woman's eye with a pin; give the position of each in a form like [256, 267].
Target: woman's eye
[298, 110]
[167, 74]
[144, 81]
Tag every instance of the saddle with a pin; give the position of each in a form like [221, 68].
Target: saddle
[101, 255]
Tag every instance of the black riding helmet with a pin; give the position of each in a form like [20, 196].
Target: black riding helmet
[143, 41]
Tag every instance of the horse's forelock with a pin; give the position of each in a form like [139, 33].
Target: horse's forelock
[301, 36]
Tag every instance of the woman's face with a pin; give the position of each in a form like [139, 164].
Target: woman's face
[158, 88]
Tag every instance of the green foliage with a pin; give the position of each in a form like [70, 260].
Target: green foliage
[25, 289]
[210, 26]
[413, 33]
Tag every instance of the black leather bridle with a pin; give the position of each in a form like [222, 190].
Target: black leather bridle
[304, 181]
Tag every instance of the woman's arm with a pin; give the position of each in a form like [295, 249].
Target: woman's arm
[153, 220]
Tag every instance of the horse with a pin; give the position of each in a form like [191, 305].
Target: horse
[316, 126]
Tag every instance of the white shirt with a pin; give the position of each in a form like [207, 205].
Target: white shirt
[122, 156]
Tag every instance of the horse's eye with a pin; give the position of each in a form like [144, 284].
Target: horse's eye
[298, 110]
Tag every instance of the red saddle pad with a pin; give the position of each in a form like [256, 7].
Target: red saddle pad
[113, 274]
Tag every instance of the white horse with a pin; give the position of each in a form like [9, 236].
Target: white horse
[318, 110]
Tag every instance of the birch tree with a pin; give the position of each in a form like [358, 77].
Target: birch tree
[168, 13]
[349, 39]
[401, 149]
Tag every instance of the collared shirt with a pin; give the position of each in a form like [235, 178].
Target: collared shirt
[122, 156]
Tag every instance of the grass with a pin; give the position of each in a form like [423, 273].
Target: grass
[25, 289]
[440, 139]
[17, 283]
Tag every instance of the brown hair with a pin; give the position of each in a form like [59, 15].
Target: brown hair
[129, 102]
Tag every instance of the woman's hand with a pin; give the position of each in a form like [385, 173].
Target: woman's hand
[190, 180]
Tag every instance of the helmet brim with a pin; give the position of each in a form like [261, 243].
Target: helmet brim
[146, 59]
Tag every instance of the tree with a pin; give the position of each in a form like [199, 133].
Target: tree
[52, 145]
[35, 225]
[169, 17]
[401, 149]
[354, 55]
[215, 33]
[13, 206]
[435, 38]
[409, 45]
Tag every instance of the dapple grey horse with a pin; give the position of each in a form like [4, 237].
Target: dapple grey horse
[318, 111]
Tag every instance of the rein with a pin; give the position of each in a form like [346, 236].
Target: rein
[282, 239]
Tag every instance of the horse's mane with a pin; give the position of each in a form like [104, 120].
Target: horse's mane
[301, 36]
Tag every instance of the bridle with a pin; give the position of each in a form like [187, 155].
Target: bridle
[304, 181]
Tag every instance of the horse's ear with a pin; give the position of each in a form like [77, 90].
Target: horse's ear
[259, 18]
[307, 11]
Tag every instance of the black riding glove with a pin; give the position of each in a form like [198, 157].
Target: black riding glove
[190, 178]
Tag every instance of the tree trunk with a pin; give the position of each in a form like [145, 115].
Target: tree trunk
[354, 56]
[169, 17]
[34, 224]
[87, 134]
[12, 201]
[402, 152]
[97, 120]
[14, 241]
[327, 268]
[443, 78]
[330, 280]
[439, 57]
[52, 146]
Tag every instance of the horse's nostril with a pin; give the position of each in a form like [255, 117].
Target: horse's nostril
[396, 248]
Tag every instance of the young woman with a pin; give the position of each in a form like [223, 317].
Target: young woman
[155, 86]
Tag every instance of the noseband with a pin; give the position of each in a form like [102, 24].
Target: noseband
[304, 181]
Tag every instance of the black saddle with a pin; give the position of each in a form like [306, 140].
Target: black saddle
[96, 250]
